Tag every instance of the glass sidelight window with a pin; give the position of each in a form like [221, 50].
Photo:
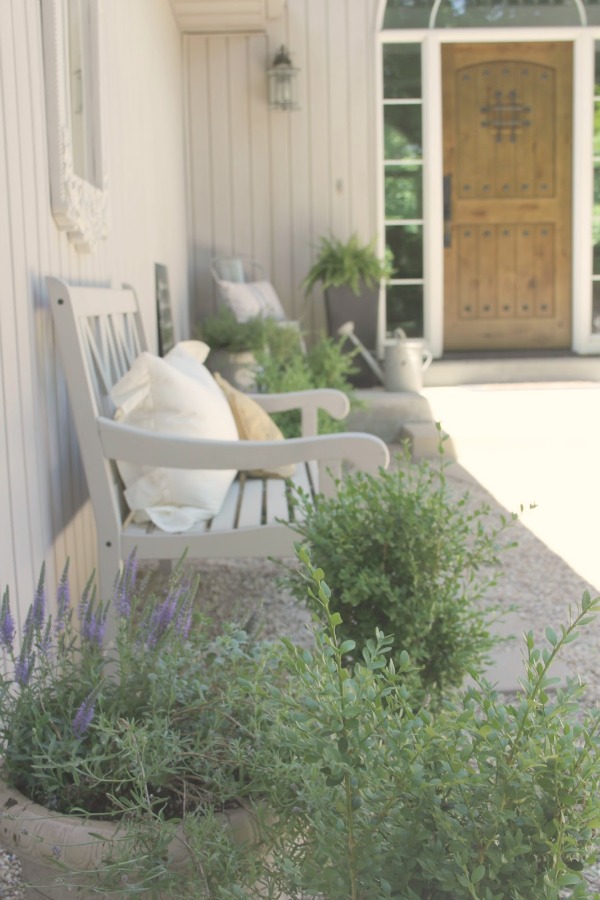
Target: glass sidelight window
[403, 184]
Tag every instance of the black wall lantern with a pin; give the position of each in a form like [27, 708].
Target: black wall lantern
[283, 82]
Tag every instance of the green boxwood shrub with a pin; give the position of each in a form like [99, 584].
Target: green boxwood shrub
[412, 560]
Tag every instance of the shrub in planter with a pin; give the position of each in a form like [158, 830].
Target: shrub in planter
[233, 345]
[324, 365]
[280, 364]
[487, 798]
[410, 559]
[224, 332]
[153, 733]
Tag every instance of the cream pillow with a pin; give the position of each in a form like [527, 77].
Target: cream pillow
[254, 424]
[157, 396]
[252, 299]
[188, 357]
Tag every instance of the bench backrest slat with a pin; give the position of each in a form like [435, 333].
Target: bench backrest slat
[99, 333]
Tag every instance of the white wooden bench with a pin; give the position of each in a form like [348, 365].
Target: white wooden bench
[99, 334]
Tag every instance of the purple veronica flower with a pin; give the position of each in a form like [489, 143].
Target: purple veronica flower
[94, 626]
[39, 601]
[83, 717]
[24, 667]
[46, 639]
[175, 611]
[184, 619]
[63, 599]
[28, 629]
[125, 585]
[86, 598]
[92, 617]
[163, 615]
[7, 624]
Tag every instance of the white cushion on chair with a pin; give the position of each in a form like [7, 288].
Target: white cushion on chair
[158, 395]
[254, 298]
[188, 357]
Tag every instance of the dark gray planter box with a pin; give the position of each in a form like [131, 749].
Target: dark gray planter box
[343, 305]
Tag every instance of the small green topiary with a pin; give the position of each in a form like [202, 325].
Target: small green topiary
[411, 560]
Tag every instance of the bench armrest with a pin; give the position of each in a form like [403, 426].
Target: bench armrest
[136, 445]
[309, 402]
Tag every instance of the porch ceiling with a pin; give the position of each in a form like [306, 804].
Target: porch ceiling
[222, 16]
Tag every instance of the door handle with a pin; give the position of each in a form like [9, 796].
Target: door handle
[447, 194]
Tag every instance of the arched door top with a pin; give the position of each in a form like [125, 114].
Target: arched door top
[401, 14]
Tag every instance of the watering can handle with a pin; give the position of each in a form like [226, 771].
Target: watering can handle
[400, 335]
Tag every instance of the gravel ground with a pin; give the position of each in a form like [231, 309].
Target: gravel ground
[536, 580]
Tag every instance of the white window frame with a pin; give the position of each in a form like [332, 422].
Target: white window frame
[79, 206]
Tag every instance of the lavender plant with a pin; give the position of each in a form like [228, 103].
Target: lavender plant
[79, 722]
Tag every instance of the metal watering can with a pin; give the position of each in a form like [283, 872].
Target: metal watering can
[404, 361]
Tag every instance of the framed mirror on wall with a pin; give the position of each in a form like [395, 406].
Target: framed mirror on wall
[72, 40]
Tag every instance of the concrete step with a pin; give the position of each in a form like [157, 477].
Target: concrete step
[506, 368]
[396, 417]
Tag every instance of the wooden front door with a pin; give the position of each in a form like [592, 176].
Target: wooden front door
[507, 113]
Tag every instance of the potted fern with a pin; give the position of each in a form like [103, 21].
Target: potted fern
[350, 273]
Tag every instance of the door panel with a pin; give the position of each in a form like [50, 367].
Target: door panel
[507, 195]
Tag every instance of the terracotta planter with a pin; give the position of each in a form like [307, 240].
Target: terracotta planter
[43, 840]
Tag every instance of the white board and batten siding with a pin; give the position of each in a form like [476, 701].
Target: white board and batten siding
[44, 511]
[268, 184]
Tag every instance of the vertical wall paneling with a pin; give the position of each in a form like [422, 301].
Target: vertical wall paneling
[222, 149]
[300, 224]
[318, 124]
[340, 103]
[228, 155]
[49, 425]
[199, 168]
[260, 182]
[281, 176]
[46, 514]
[16, 361]
[7, 548]
[362, 108]
[312, 172]
[238, 103]
[260, 162]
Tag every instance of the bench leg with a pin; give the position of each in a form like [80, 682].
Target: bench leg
[109, 565]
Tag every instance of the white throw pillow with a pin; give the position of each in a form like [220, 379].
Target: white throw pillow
[254, 298]
[158, 396]
[188, 357]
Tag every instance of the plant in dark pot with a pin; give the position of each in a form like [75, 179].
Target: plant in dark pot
[350, 274]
